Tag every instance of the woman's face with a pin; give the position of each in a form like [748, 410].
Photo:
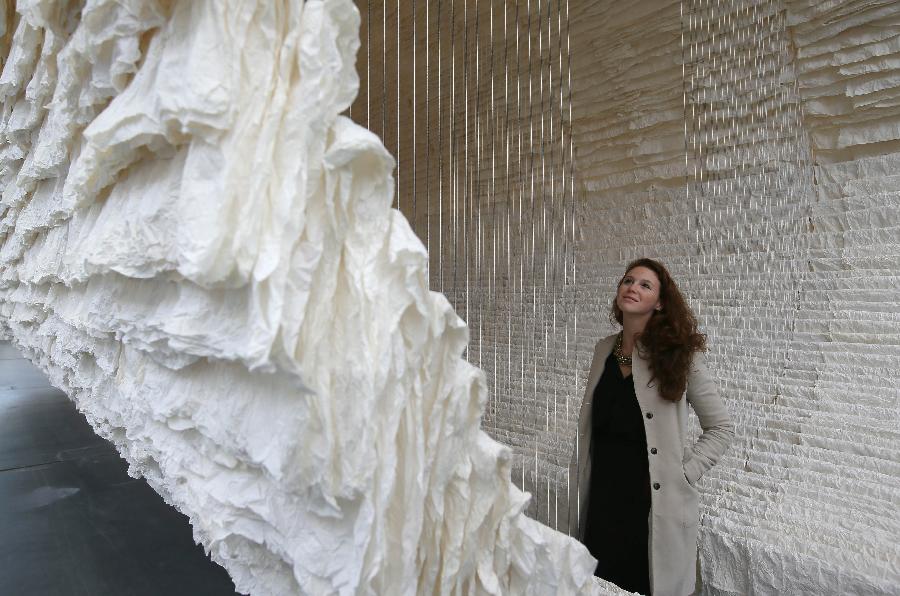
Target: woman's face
[639, 292]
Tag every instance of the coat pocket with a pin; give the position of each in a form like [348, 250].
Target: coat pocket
[687, 478]
[689, 467]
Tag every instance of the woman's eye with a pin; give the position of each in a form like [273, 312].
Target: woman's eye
[646, 286]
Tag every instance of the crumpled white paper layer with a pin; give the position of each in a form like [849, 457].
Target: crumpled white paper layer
[201, 252]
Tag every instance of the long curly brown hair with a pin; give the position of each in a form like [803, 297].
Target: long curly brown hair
[670, 338]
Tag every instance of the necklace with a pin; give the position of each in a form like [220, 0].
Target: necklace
[617, 352]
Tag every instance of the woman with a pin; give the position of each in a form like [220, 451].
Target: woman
[636, 507]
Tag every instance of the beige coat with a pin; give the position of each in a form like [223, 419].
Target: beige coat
[675, 466]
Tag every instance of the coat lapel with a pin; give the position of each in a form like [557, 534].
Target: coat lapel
[601, 353]
[580, 466]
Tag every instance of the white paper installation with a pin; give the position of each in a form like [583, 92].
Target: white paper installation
[200, 251]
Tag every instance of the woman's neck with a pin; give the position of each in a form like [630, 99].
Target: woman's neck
[632, 326]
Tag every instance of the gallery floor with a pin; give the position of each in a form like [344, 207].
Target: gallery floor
[72, 522]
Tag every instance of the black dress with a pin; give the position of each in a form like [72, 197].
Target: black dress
[619, 502]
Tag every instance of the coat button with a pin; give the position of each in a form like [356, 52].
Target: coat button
[656, 486]
[653, 450]
[649, 415]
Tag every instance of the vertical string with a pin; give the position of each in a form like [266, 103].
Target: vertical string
[530, 317]
[495, 226]
[570, 179]
[454, 198]
[383, 134]
[428, 134]
[541, 299]
[397, 114]
[510, 288]
[555, 267]
[440, 158]
[476, 193]
[547, 226]
[415, 105]
[520, 191]
[465, 195]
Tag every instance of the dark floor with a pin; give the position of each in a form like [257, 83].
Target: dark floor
[72, 522]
